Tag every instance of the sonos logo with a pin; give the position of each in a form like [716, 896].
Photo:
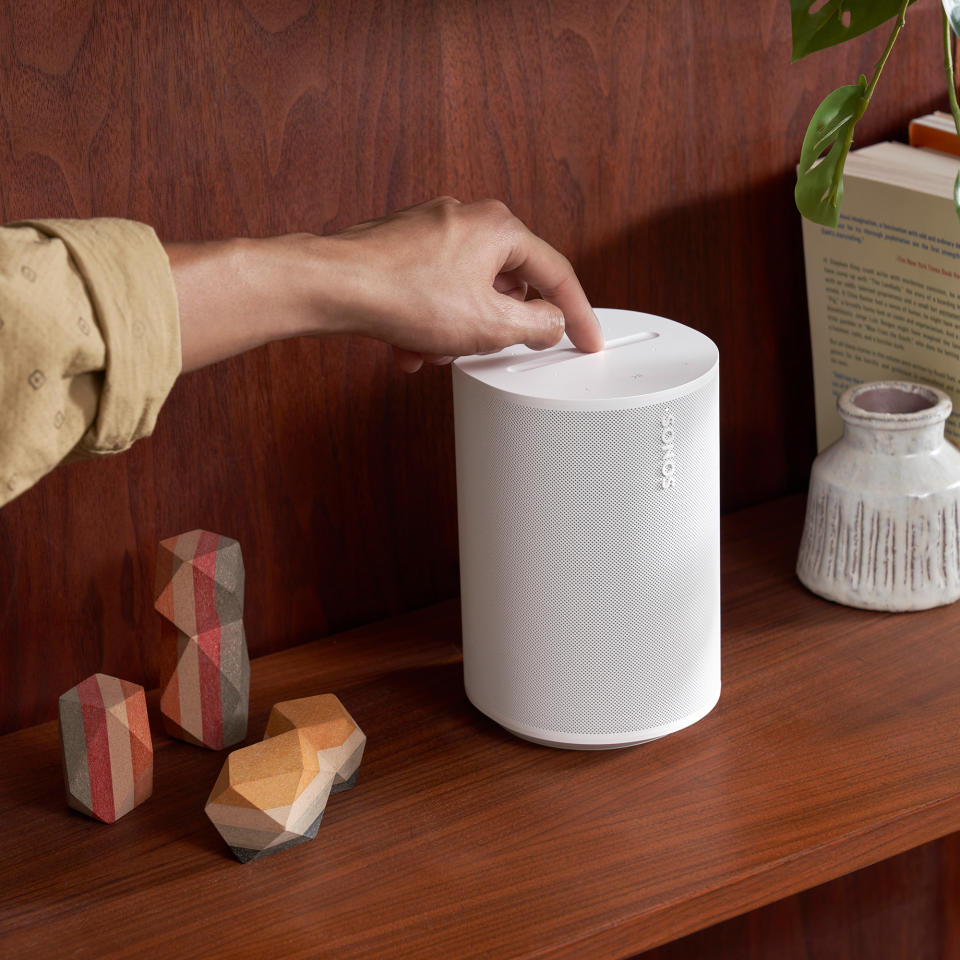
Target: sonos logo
[668, 463]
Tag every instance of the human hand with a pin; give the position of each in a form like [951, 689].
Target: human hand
[445, 279]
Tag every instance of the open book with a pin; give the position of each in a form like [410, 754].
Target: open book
[884, 287]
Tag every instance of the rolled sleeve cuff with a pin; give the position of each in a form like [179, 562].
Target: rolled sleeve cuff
[129, 283]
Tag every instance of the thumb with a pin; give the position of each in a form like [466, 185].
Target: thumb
[537, 324]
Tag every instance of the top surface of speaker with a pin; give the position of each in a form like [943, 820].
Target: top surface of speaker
[646, 359]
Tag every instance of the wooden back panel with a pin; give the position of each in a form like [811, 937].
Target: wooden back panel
[650, 141]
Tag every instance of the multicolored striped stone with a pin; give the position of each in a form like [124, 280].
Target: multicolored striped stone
[200, 581]
[200, 591]
[271, 795]
[205, 700]
[338, 740]
[107, 748]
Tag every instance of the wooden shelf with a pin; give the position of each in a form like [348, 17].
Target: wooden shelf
[834, 745]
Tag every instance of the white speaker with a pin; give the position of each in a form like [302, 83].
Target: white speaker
[589, 511]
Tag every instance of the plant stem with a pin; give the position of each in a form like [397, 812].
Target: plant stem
[865, 100]
[897, 27]
[948, 67]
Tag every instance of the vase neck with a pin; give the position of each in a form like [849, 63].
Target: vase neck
[896, 442]
[894, 417]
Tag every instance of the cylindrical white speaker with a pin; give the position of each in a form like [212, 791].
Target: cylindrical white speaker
[589, 509]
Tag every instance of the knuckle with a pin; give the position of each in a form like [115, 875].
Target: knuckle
[481, 343]
[559, 277]
[504, 328]
[564, 269]
[552, 322]
[496, 208]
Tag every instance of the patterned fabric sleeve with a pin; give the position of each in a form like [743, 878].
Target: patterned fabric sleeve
[89, 342]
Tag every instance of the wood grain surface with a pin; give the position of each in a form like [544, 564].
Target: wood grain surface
[833, 747]
[652, 141]
[904, 908]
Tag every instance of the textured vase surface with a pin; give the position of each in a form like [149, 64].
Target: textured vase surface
[882, 529]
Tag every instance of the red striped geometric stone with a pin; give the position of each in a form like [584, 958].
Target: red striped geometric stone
[107, 748]
[199, 590]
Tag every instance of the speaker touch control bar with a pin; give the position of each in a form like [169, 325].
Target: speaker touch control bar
[572, 353]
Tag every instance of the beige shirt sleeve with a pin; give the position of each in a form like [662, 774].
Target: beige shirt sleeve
[89, 342]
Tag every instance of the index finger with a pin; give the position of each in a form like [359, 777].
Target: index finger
[534, 260]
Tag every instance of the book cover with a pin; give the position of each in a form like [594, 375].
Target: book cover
[935, 131]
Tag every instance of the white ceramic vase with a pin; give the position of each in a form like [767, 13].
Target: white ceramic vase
[883, 514]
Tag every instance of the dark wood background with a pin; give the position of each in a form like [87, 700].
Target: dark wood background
[651, 141]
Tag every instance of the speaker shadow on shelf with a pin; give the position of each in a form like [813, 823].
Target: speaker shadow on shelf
[418, 707]
[435, 709]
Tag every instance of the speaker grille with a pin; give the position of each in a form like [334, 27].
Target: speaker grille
[590, 592]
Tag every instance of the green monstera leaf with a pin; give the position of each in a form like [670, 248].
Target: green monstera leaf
[819, 187]
[835, 21]
[952, 9]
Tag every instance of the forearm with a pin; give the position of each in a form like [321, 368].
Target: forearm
[235, 295]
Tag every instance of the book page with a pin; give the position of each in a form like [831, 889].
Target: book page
[884, 296]
[914, 168]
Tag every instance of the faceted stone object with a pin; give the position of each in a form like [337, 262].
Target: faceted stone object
[206, 698]
[200, 581]
[270, 796]
[200, 591]
[107, 748]
[338, 740]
